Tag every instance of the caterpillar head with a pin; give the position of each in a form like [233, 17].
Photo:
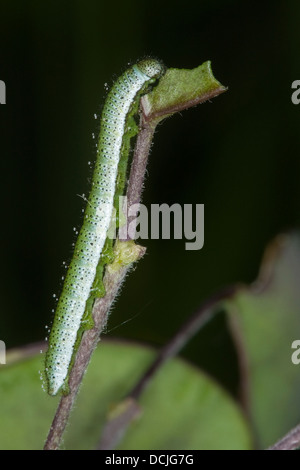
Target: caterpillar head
[151, 67]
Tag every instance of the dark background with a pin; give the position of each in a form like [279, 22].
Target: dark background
[239, 154]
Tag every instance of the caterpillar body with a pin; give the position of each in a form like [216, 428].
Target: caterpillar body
[97, 217]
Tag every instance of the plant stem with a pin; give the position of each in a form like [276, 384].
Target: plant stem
[138, 169]
[116, 428]
[289, 442]
[190, 87]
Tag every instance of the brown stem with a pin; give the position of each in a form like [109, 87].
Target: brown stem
[289, 442]
[139, 163]
[116, 428]
[137, 172]
[183, 336]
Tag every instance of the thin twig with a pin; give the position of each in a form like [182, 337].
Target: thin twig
[116, 428]
[183, 336]
[138, 170]
[139, 162]
[289, 442]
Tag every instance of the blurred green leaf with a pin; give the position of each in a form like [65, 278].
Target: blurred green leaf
[181, 409]
[266, 320]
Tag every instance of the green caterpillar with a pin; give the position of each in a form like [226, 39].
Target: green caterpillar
[85, 268]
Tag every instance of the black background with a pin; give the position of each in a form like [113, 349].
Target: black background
[239, 154]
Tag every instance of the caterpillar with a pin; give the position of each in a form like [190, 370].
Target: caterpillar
[90, 244]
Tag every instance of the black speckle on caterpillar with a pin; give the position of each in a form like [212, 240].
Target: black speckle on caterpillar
[90, 242]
